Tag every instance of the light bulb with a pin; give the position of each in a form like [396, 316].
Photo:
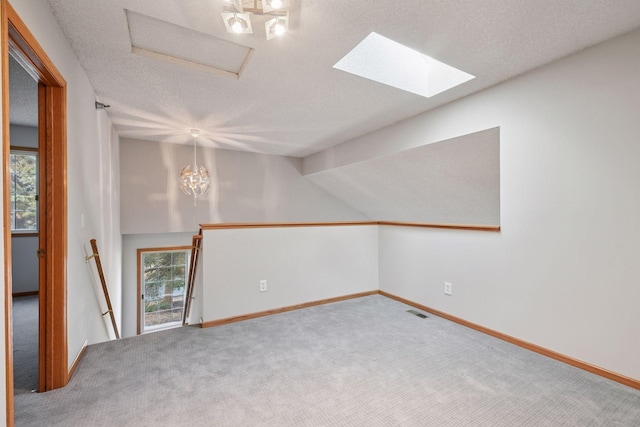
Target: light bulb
[236, 26]
[276, 4]
[279, 29]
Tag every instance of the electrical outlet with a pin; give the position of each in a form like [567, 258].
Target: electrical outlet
[263, 286]
[447, 288]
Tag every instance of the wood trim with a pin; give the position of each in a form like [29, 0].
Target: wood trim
[196, 245]
[6, 151]
[55, 238]
[17, 148]
[14, 234]
[25, 294]
[139, 252]
[524, 344]
[105, 289]
[27, 43]
[76, 361]
[52, 150]
[224, 226]
[164, 249]
[473, 227]
[233, 319]
[42, 262]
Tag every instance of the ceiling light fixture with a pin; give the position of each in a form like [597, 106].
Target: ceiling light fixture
[237, 16]
[238, 25]
[194, 181]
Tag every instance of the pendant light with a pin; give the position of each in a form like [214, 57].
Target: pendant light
[194, 181]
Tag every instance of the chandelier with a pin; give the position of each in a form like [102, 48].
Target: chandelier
[194, 181]
[237, 16]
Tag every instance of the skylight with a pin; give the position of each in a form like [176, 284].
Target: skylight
[385, 61]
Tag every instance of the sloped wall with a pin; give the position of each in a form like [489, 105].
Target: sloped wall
[456, 181]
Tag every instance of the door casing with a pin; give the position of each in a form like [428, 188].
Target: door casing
[52, 151]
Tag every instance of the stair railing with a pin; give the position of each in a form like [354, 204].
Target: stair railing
[196, 245]
[105, 290]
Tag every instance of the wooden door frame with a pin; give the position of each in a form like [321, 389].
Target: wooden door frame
[52, 146]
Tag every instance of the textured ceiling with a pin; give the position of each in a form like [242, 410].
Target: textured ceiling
[23, 96]
[289, 100]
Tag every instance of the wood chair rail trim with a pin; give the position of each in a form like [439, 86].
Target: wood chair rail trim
[227, 226]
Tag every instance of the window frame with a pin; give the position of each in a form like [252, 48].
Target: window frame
[141, 252]
[18, 150]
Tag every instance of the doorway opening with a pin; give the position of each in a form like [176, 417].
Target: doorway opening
[21, 45]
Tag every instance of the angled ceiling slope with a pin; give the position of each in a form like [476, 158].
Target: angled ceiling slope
[456, 181]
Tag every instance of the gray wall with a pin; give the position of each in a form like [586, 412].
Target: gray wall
[24, 262]
[246, 187]
[300, 264]
[563, 272]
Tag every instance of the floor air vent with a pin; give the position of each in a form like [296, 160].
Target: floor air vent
[417, 313]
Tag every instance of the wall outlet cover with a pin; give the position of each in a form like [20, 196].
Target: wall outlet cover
[447, 288]
[263, 285]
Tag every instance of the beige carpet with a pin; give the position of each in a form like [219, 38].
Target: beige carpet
[25, 344]
[363, 362]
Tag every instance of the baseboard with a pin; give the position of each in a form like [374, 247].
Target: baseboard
[219, 322]
[25, 294]
[524, 344]
[75, 363]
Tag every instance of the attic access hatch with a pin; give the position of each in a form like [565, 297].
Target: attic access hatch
[172, 43]
[388, 62]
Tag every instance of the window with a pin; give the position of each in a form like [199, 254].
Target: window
[24, 191]
[162, 287]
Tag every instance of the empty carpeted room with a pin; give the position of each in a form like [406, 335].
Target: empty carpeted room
[320, 213]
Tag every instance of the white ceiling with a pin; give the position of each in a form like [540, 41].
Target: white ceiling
[23, 96]
[289, 100]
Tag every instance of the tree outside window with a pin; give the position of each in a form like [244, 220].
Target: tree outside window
[24, 191]
[163, 283]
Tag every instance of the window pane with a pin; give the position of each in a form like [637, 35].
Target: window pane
[156, 274]
[164, 285]
[178, 272]
[157, 259]
[24, 190]
[179, 258]
[25, 221]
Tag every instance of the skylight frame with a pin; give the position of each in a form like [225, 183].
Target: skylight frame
[377, 58]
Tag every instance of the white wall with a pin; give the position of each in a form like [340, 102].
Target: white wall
[24, 261]
[130, 245]
[92, 182]
[300, 264]
[246, 187]
[563, 272]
